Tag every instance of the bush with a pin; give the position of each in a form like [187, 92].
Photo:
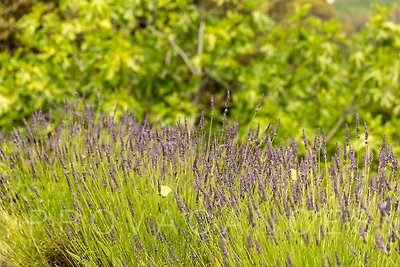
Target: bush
[167, 59]
[10, 12]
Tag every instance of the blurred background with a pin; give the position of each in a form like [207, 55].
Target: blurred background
[317, 62]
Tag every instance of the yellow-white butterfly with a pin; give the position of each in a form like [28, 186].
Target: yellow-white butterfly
[293, 174]
[165, 190]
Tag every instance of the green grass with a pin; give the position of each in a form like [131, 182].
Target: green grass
[88, 194]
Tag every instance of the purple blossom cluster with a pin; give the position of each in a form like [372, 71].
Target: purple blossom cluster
[234, 200]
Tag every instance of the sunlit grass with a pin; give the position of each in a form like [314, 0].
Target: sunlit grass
[100, 192]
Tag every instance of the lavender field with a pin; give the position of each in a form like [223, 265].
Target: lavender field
[97, 191]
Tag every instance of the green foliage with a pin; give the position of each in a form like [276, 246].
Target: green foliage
[167, 59]
[356, 13]
[351, 7]
[280, 9]
[10, 12]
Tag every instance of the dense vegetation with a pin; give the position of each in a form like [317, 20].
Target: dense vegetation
[166, 59]
[191, 175]
[97, 192]
[355, 13]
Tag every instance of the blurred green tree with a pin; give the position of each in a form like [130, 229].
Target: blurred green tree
[280, 9]
[167, 58]
[10, 12]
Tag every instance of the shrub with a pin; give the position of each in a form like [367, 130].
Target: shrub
[168, 59]
[97, 191]
[11, 12]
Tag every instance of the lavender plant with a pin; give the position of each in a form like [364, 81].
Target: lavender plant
[96, 191]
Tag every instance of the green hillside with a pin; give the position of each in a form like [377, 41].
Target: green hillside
[347, 8]
[356, 12]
